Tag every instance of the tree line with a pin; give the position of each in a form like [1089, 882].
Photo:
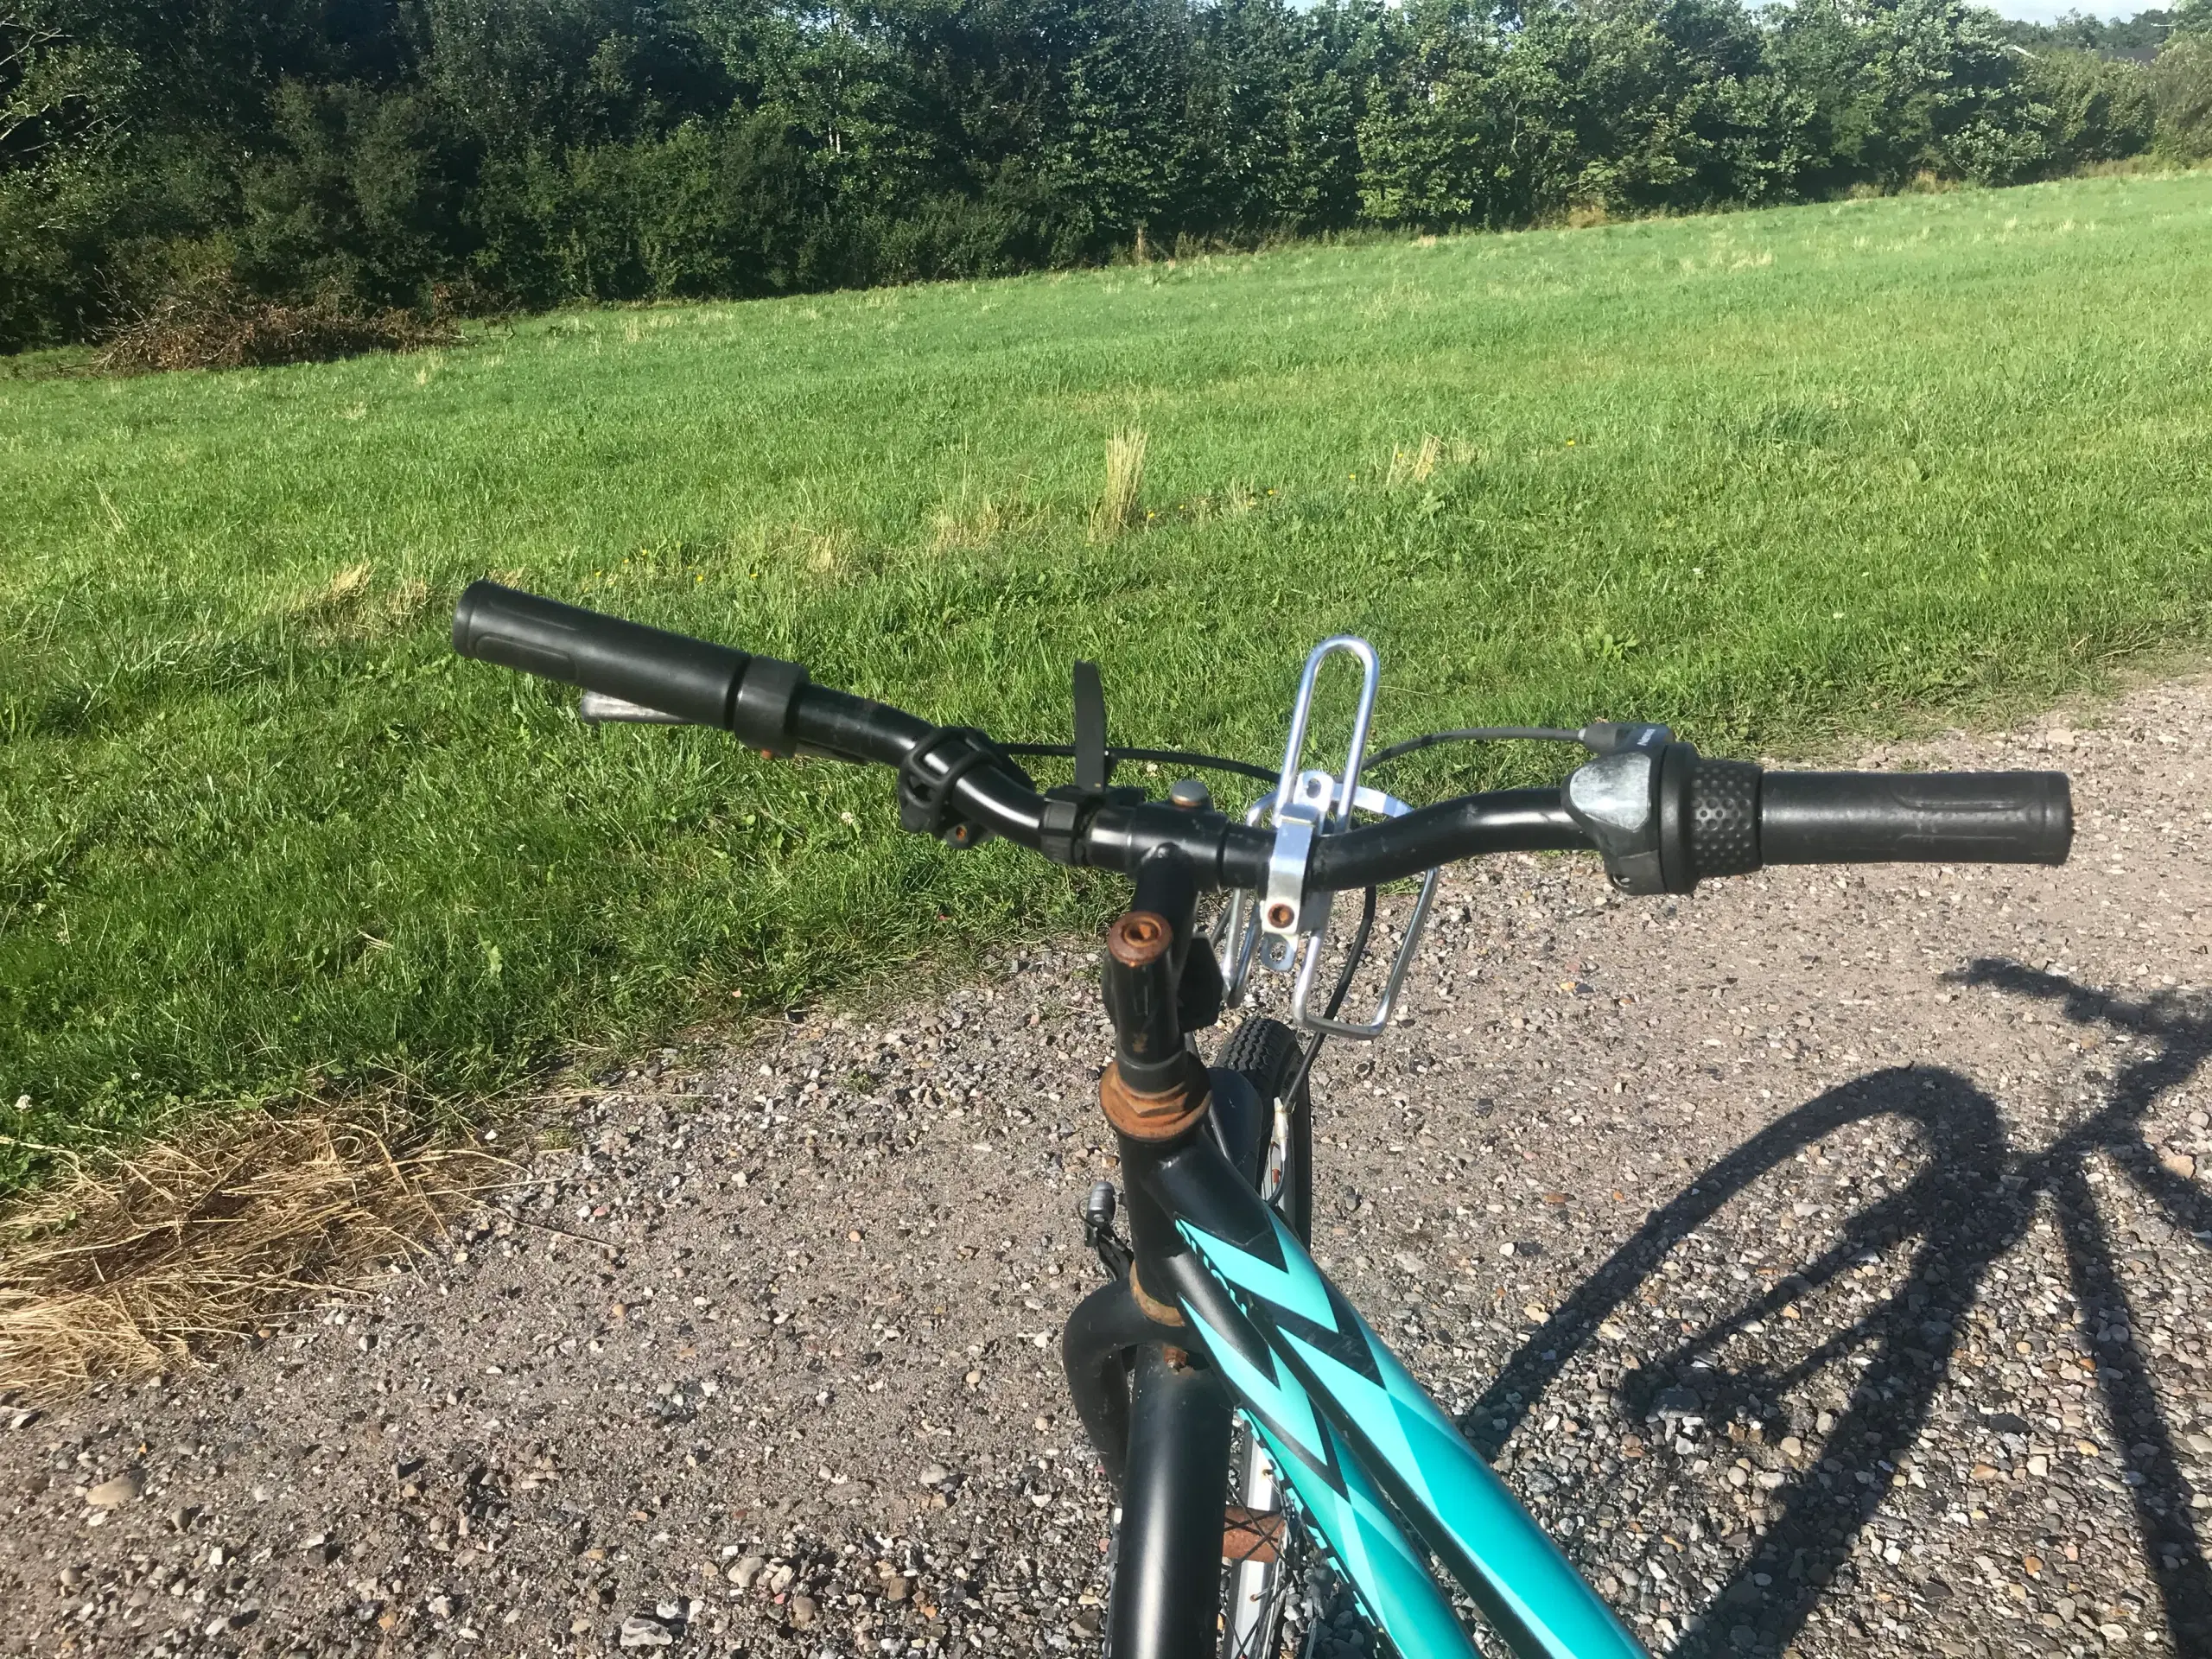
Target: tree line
[2138, 37]
[473, 155]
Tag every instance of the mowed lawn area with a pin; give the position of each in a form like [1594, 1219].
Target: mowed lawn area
[1774, 477]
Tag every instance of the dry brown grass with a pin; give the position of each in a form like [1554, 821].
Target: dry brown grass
[1117, 503]
[828, 550]
[213, 325]
[132, 1266]
[350, 606]
[970, 521]
[1415, 466]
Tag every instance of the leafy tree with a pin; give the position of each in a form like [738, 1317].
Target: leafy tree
[362, 197]
[1621, 104]
[551, 74]
[1272, 123]
[1674, 108]
[1901, 88]
[60, 94]
[2180, 90]
[1117, 158]
[2095, 109]
[1432, 147]
[2138, 37]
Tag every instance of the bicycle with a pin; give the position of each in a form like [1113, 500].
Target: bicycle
[1247, 1414]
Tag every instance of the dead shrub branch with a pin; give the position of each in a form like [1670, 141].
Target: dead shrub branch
[214, 326]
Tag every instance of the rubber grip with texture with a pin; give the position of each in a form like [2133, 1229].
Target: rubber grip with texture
[1723, 816]
[1926, 818]
[693, 679]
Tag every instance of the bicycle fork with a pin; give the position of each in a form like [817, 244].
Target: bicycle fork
[1157, 1412]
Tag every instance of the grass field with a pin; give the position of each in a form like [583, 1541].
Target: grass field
[1773, 477]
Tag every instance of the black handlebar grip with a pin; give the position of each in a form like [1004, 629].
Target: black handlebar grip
[1925, 817]
[693, 679]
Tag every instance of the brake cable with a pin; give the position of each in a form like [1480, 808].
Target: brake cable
[1165, 757]
[1476, 734]
[1247, 769]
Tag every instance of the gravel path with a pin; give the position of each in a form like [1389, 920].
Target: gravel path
[1814, 1255]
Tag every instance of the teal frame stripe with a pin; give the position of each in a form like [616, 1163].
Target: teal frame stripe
[1347, 1422]
[1387, 1570]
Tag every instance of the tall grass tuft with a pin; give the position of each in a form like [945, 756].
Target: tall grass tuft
[1118, 504]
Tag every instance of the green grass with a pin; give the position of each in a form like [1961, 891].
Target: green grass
[1773, 477]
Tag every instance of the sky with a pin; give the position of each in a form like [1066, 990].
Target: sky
[2045, 11]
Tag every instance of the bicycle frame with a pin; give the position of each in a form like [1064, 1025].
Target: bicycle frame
[1379, 1470]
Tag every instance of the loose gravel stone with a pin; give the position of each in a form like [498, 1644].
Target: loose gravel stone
[1814, 1254]
[115, 1492]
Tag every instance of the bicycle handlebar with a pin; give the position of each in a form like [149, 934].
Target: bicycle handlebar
[1664, 818]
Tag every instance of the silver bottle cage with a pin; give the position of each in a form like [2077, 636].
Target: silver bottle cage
[1283, 928]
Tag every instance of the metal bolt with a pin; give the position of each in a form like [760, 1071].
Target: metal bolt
[1280, 915]
[1190, 794]
[1137, 938]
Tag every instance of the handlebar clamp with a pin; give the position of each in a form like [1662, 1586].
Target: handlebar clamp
[925, 799]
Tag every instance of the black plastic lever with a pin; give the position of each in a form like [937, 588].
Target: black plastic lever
[1093, 768]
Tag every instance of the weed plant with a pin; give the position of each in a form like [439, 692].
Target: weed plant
[1777, 478]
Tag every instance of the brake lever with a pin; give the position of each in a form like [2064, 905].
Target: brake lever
[598, 708]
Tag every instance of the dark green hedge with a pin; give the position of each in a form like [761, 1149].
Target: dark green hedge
[480, 154]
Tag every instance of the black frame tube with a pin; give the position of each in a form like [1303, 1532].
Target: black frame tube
[1171, 1532]
[1166, 1597]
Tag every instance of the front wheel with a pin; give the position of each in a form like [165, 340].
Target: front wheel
[1279, 1600]
[1267, 1054]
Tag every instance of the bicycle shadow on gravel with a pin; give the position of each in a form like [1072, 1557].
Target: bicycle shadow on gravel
[1973, 1199]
